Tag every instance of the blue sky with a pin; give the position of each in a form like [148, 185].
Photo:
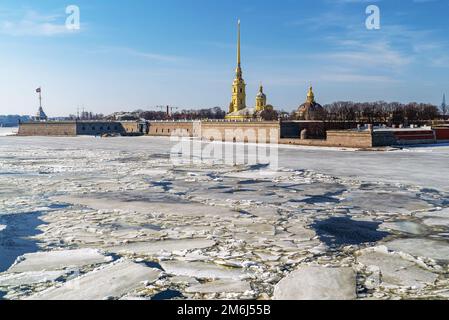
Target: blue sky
[139, 54]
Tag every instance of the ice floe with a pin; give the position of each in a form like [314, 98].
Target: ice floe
[110, 282]
[56, 260]
[317, 283]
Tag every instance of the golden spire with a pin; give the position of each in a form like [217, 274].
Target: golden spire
[310, 96]
[238, 45]
[238, 70]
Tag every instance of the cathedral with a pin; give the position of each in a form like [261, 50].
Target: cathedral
[310, 110]
[237, 108]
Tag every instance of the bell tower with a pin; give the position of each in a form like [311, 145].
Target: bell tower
[238, 87]
[261, 100]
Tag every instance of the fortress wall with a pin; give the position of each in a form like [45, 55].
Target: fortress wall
[167, 128]
[133, 127]
[383, 138]
[315, 129]
[217, 130]
[98, 128]
[350, 139]
[415, 137]
[83, 128]
[47, 129]
[258, 132]
[346, 139]
[442, 134]
[306, 142]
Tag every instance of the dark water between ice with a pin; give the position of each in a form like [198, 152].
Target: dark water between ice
[341, 231]
[15, 239]
[167, 295]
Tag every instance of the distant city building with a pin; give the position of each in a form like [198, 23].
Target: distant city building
[310, 110]
[12, 120]
[126, 116]
[444, 106]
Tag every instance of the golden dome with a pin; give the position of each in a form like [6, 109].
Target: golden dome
[310, 95]
[261, 94]
[310, 110]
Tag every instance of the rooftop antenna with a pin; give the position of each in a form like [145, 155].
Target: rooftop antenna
[443, 105]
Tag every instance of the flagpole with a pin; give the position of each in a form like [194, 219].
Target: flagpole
[40, 97]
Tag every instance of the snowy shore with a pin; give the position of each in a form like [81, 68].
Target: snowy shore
[87, 218]
[6, 131]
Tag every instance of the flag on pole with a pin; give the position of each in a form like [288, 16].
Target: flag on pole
[38, 90]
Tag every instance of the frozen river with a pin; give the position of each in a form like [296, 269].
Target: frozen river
[76, 214]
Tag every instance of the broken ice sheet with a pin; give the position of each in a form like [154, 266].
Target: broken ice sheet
[60, 259]
[110, 282]
[223, 222]
[395, 270]
[201, 270]
[29, 278]
[387, 202]
[426, 248]
[155, 247]
[220, 286]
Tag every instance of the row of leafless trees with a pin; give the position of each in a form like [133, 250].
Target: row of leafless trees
[366, 112]
[212, 113]
[381, 112]
[86, 115]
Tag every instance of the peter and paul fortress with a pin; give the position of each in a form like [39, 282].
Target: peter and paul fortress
[259, 122]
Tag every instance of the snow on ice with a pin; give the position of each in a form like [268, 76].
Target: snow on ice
[86, 218]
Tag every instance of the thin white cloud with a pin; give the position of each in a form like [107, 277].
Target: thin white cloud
[151, 56]
[33, 23]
